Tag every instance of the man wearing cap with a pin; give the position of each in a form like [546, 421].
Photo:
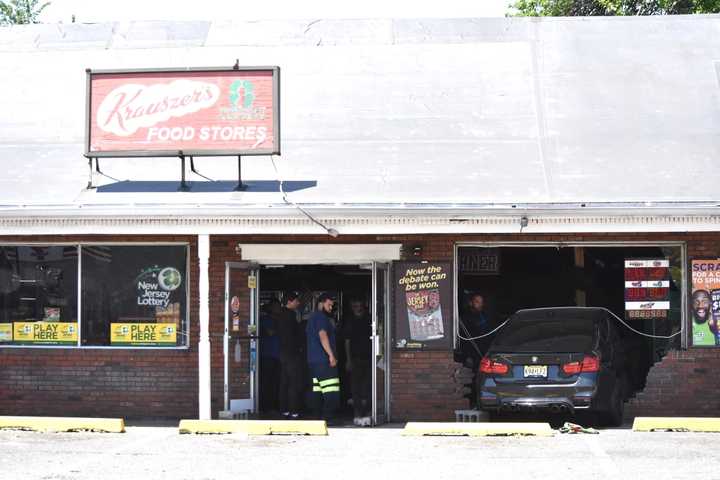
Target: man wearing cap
[322, 360]
[292, 342]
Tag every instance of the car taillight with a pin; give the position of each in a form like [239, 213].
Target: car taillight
[589, 364]
[493, 367]
[572, 368]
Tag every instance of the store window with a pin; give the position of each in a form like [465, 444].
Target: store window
[637, 283]
[641, 285]
[38, 295]
[134, 295]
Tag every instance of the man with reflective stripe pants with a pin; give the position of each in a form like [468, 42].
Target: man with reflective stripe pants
[322, 360]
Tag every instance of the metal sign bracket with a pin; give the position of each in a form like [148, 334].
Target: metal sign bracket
[241, 187]
[90, 185]
[184, 187]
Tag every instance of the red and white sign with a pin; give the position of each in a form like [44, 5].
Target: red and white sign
[196, 112]
[647, 288]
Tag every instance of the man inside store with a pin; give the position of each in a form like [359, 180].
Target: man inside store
[702, 335]
[269, 356]
[322, 359]
[357, 333]
[474, 323]
[292, 361]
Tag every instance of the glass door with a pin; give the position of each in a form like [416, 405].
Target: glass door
[380, 338]
[240, 339]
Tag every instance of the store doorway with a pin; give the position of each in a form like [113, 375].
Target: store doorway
[240, 339]
[514, 277]
[252, 366]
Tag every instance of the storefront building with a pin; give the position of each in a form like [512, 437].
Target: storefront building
[533, 177]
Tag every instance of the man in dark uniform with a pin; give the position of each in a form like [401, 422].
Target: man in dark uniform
[269, 356]
[357, 334]
[322, 359]
[292, 361]
[474, 323]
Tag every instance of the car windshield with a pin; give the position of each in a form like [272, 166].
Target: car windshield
[546, 332]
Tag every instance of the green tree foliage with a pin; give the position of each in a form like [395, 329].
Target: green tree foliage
[18, 12]
[575, 8]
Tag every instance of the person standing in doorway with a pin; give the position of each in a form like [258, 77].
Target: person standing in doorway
[269, 357]
[322, 359]
[474, 323]
[357, 333]
[292, 361]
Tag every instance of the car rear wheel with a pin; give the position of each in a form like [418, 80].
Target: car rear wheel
[613, 417]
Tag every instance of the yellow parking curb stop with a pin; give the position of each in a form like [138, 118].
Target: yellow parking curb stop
[678, 424]
[255, 427]
[63, 424]
[477, 429]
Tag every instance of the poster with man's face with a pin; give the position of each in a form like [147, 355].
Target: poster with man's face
[705, 302]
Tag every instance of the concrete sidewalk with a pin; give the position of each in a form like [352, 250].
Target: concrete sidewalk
[158, 452]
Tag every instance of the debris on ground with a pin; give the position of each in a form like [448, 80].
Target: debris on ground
[575, 428]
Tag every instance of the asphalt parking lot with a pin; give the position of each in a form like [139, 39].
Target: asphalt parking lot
[160, 452]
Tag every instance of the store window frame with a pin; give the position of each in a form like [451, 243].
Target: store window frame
[79, 246]
[684, 338]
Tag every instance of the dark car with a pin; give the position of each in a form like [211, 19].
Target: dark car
[559, 360]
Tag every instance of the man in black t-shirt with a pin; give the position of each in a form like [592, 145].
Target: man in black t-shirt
[357, 333]
[292, 360]
[474, 323]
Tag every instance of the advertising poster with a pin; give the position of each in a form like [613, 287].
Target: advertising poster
[705, 302]
[647, 288]
[155, 286]
[6, 332]
[158, 294]
[423, 305]
[143, 334]
[158, 297]
[45, 333]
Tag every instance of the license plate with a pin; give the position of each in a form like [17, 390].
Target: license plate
[535, 370]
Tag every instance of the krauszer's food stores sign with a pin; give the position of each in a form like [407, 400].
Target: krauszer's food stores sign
[191, 112]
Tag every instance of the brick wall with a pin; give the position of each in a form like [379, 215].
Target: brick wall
[159, 383]
[104, 382]
[684, 383]
[423, 386]
[678, 385]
